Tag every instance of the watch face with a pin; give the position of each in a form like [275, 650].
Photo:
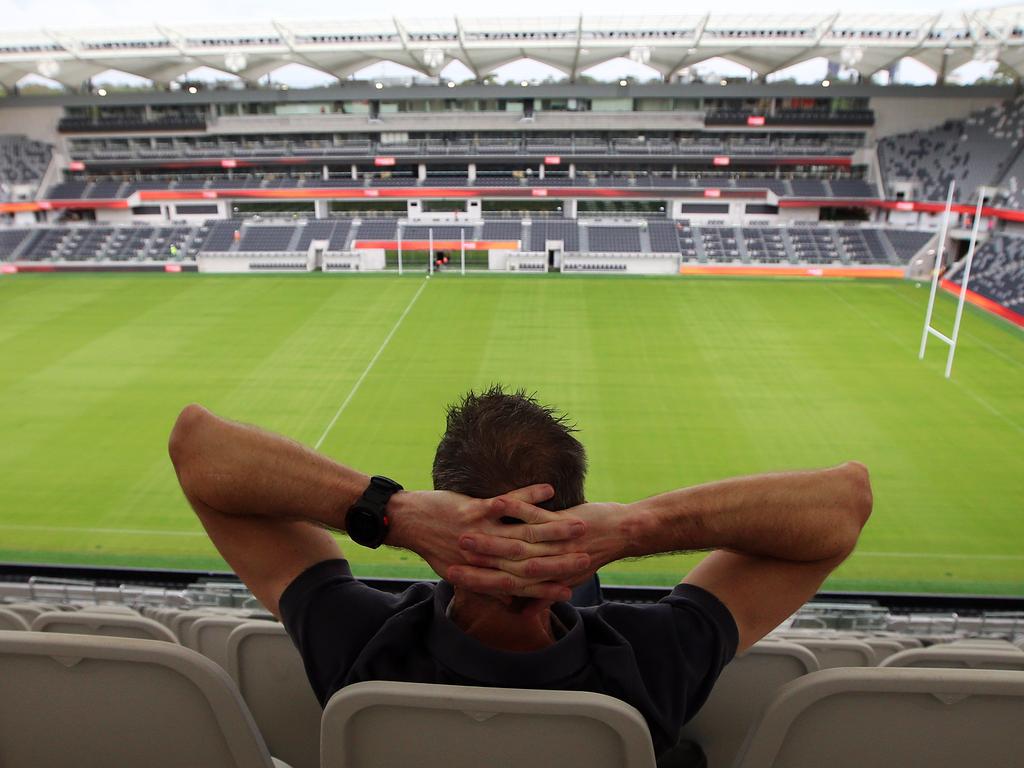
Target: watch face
[363, 527]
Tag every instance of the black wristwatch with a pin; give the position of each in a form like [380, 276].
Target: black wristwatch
[366, 521]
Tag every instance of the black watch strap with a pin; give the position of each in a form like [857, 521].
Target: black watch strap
[366, 521]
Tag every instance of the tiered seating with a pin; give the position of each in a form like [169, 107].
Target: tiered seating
[23, 162]
[543, 230]
[104, 190]
[808, 188]
[972, 152]
[664, 236]
[67, 190]
[439, 232]
[813, 246]
[998, 271]
[862, 246]
[502, 230]
[377, 229]
[906, 243]
[765, 245]
[720, 244]
[10, 239]
[221, 237]
[613, 239]
[266, 238]
[852, 188]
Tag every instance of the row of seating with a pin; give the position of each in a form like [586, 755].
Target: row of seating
[96, 188]
[112, 685]
[274, 146]
[715, 244]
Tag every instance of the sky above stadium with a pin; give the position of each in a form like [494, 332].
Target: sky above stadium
[68, 14]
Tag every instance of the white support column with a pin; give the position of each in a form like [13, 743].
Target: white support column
[540, 171]
[421, 171]
[462, 249]
[430, 255]
[399, 249]
[355, 171]
[471, 172]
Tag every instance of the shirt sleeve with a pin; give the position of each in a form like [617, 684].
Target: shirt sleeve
[679, 646]
[330, 617]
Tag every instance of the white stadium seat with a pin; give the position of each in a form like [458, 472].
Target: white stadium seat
[390, 725]
[743, 690]
[107, 624]
[958, 657]
[209, 636]
[877, 718]
[834, 652]
[12, 621]
[272, 680]
[77, 701]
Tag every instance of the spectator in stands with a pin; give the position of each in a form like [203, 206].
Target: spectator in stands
[492, 530]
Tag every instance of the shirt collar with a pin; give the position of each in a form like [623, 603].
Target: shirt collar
[469, 658]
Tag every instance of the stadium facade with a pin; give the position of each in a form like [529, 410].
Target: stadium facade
[845, 177]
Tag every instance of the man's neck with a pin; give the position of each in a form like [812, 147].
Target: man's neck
[496, 625]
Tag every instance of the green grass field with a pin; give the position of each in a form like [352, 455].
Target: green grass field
[672, 381]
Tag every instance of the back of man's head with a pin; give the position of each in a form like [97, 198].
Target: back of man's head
[497, 441]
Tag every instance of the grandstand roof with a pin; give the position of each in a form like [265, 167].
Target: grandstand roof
[867, 42]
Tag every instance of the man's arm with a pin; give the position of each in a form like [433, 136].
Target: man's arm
[776, 536]
[266, 502]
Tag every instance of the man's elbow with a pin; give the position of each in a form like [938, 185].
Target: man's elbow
[181, 446]
[860, 501]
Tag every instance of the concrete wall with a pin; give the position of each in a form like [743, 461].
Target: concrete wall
[39, 123]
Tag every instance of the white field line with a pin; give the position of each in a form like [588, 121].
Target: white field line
[362, 376]
[141, 532]
[966, 390]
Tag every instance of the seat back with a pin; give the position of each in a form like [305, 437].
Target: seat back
[106, 624]
[883, 647]
[28, 611]
[851, 718]
[445, 726]
[839, 653]
[957, 657]
[180, 623]
[12, 621]
[209, 636]
[745, 687]
[69, 701]
[272, 679]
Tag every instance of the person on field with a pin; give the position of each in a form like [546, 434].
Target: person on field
[508, 530]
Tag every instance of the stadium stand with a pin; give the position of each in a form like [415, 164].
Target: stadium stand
[998, 271]
[605, 239]
[859, 717]
[464, 727]
[544, 230]
[973, 152]
[23, 162]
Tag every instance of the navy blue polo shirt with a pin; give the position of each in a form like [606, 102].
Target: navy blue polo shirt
[662, 658]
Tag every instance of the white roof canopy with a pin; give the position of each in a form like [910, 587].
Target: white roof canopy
[765, 43]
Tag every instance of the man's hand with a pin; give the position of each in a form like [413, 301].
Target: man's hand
[518, 552]
[436, 524]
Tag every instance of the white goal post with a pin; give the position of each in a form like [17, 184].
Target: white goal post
[929, 329]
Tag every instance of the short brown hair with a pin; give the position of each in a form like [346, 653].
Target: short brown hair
[497, 441]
